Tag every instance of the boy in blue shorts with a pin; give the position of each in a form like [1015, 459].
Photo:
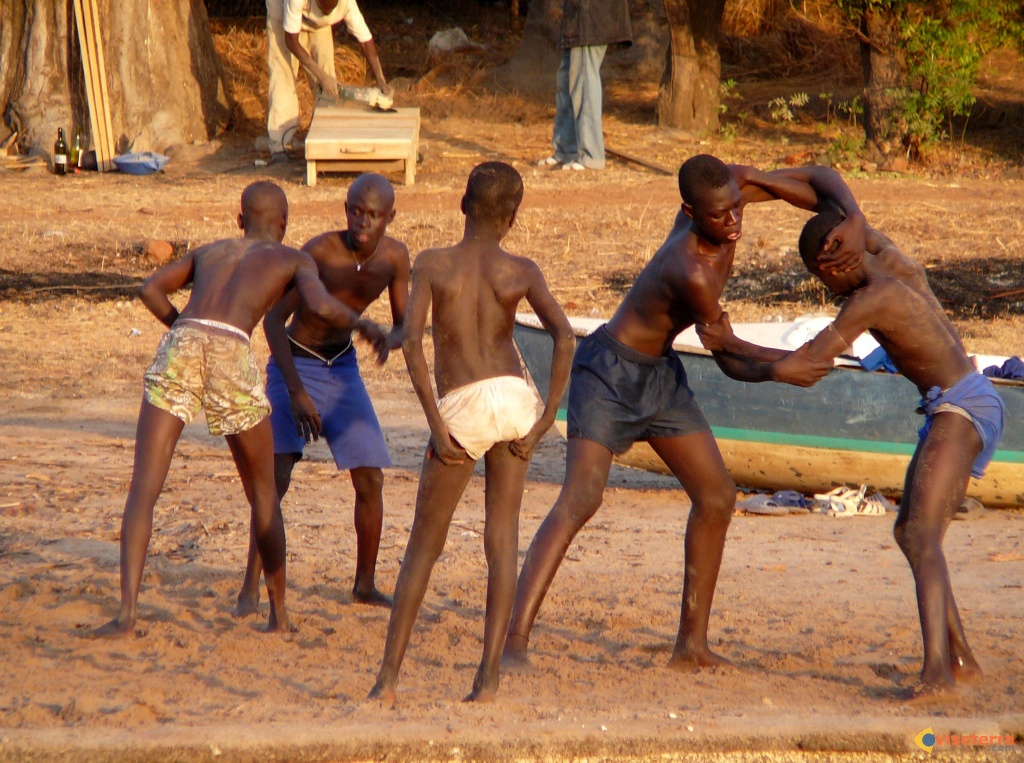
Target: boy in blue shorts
[313, 379]
[888, 296]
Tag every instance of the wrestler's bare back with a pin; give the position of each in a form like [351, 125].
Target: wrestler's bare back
[475, 288]
[355, 287]
[680, 280]
[237, 281]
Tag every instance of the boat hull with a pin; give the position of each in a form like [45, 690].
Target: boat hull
[853, 427]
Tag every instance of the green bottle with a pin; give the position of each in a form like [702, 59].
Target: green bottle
[75, 158]
[60, 154]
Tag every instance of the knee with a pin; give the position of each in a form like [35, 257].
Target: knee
[579, 505]
[716, 505]
[368, 483]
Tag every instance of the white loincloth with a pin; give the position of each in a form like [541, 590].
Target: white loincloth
[489, 411]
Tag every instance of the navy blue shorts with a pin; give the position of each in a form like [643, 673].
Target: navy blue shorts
[618, 396]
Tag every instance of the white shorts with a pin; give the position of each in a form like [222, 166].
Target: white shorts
[489, 411]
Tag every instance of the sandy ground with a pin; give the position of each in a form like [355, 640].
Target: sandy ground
[818, 612]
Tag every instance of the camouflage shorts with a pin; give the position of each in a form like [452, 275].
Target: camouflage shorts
[198, 367]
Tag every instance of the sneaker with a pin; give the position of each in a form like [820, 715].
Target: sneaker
[549, 161]
[280, 157]
[574, 166]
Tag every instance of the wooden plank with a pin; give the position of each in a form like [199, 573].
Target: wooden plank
[101, 72]
[88, 68]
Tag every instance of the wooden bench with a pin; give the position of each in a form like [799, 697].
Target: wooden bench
[357, 138]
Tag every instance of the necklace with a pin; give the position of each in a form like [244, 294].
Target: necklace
[359, 265]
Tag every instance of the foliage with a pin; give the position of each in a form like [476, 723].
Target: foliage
[944, 43]
[781, 108]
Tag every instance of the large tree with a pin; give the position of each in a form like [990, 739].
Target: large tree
[164, 82]
[688, 97]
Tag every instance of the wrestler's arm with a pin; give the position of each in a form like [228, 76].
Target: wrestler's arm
[551, 316]
[319, 301]
[398, 296]
[155, 290]
[416, 360]
[763, 364]
[307, 418]
[859, 313]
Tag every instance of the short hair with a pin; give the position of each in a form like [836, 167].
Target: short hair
[702, 172]
[816, 230]
[493, 192]
[262, 200]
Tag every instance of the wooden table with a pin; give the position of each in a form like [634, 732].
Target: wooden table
[357, 138]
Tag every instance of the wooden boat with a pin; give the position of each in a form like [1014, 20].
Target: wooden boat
[853, 427]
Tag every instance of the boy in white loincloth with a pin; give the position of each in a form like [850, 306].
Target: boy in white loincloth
[486, 409]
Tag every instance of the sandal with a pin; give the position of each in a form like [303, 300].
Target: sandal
[843, 501]
[762, 504]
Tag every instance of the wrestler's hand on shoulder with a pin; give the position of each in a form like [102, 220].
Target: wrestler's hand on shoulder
[800, 368]
[444, 450]
[715, 336]
[307, 418]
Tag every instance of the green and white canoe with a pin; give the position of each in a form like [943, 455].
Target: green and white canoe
[853, 427]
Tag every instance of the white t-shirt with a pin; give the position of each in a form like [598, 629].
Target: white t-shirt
[306, 14]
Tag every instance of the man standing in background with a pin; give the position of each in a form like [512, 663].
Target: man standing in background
[588, 28]
[299, 32]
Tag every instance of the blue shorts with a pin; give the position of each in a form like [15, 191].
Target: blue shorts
[618, 396]
[350, 424]
[975, 397]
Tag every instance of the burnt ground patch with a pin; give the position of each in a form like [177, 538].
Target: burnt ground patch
[985, 287]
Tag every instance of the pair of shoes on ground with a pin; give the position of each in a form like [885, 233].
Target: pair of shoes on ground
[853, 502]
[551, 162]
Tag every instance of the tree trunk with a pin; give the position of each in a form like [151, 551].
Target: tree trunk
[885, 78]
[164, 82]
[532, 68]
[688, 96]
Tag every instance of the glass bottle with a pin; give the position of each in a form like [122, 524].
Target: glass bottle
[60, 154]
[75, 158]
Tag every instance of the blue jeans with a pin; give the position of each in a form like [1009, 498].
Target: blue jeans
[577, 134]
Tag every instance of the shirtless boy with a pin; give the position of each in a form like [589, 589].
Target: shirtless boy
[888, 296]
[486, 409]
[205, 361]
[627, 386]
[313, 380]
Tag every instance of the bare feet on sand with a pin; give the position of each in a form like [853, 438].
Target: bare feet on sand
[117, 628]
[515, 658]
[690, 661]
[246, 605]
[925, 693]
[382, 693]
[373, 597]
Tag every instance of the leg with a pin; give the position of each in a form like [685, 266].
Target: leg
[697, 463]
[440, 489]
[586, 473]
[253, 453]
[585, 87]
[156, 434]
[564, 135]
[249, 594]
[368, 483]
[283, 110]
[936, 485]
[503, 497]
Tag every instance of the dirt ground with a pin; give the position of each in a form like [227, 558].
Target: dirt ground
[818, 613]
